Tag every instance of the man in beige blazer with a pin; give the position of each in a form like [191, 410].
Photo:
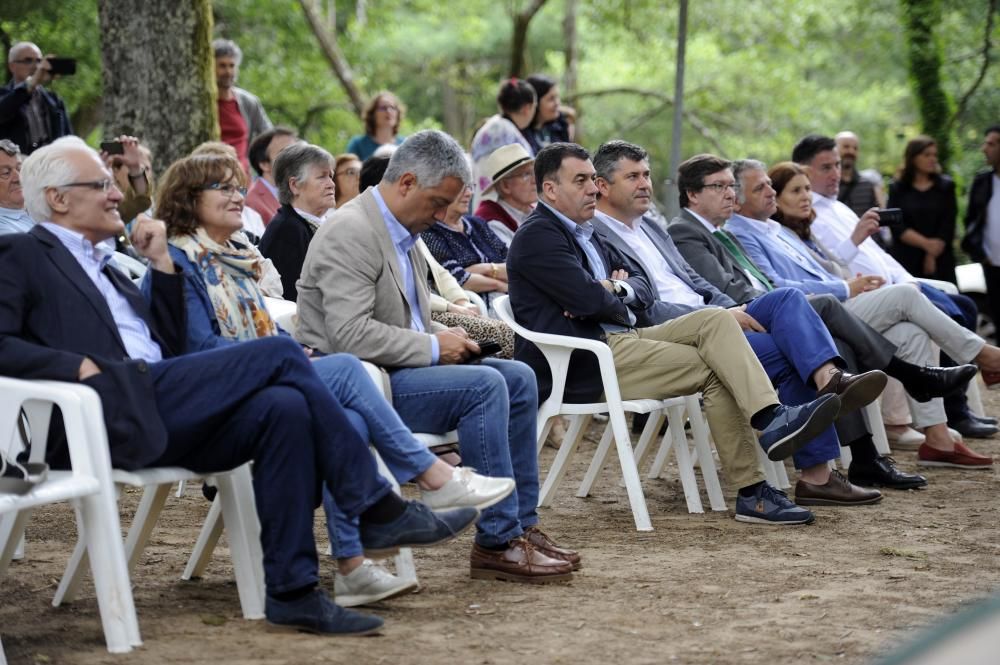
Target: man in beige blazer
[363, 290]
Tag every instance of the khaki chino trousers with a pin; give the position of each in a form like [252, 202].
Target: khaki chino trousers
[705, 352]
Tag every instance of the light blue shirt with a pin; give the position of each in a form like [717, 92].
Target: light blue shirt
[582, 234]
[133, 330]
[15, 221]
[403, 241]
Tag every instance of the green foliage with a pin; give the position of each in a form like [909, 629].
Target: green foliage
[759, 75]
[925, 55]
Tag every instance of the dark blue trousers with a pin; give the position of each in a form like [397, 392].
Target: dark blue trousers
[262, 401]
[796, 343]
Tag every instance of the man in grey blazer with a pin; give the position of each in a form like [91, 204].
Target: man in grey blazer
[363, 290]
[623, 180]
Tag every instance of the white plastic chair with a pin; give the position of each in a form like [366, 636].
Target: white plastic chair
[477, 300]
[235, 501]
[557, 350]
[87, 486]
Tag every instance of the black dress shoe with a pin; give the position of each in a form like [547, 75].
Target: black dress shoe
[939, 381]
[855, 390]
[971, 428]
[882, 472]
[986, 420]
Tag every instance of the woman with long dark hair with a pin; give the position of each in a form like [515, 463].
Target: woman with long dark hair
[923, 241]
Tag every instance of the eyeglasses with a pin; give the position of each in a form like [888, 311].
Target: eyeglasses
[350, 173]
[719, 186]
[523, 177]
[8, 171]
[385, 108]
[227, 189]
[28, 61]
[102, 185]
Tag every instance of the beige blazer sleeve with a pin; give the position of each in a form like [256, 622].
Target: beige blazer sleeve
[351, 294]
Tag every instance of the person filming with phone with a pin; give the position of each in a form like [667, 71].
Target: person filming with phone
[30, 115]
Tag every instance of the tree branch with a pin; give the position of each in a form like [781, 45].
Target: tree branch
[519, 38]
[328, 43]
[666, 101]
[985, 53]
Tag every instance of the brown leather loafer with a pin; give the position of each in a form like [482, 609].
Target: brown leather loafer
[544, 544]
[520, 562]
[855, 390]
[837, 491]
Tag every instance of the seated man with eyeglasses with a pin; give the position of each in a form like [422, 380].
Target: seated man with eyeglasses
[30, 115]
[512, 176]
[66, 315]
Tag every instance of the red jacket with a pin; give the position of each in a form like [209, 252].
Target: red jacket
[262, 200]
[489, 211]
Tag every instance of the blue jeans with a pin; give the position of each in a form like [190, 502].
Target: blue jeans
[797, 342]
[374, 419]
[494, 406]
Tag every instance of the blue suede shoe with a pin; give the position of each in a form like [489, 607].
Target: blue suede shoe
[316, 613]
[768, 505]
[418, 526]
[794, 426]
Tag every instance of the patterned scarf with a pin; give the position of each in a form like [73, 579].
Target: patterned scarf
[231, 274]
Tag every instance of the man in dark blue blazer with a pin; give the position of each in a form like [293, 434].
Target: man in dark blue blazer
[30, 115]
[67, 315]
[563, 280]
[781, 325]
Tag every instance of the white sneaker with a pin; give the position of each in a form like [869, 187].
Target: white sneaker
[368, 583]
[908, 439]
[468, 489]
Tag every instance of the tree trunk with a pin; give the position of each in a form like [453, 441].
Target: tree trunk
[159, 74]
[924, 58]
[328, 42]
[519, 39]
[572, 57]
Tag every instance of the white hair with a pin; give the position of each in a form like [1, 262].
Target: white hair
[49, 167]
[18, 47]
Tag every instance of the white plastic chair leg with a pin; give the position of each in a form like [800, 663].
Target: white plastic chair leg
[709, 472]
[975, 398]
[633, 485]
[873, 414]
[660, 461]
[208, 538]
[12, 535]
[574, 434]
[597, 463]
[649, 434]
[243, 534]
[684, 466]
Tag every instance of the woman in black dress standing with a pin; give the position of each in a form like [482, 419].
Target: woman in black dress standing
[923, 242]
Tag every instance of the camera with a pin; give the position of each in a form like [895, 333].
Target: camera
[890, 217]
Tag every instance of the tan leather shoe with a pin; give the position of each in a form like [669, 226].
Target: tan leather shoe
[837, 491]
[544, 544]
[520, 562]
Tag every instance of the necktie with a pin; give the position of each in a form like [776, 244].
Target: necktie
[742, 258]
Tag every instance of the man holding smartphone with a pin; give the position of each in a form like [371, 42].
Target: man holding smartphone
[30, 115]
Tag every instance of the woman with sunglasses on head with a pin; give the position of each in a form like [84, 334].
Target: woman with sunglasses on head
[382, 116]
[200, 201]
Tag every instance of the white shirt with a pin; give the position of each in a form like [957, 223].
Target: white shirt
[834, 225]
[669, 286]
[992, 244]
[252, 221]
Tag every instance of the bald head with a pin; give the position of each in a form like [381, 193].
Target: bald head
[847, 147]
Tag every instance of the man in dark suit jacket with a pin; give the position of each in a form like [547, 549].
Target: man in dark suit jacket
[30, 115]
[67, 315]
[981, 217]
[784, 331]
[563, 280]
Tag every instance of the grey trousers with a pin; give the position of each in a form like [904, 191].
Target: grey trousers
[910, 321]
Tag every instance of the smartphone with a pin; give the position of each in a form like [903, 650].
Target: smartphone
[113, 147]
[488, 348]
[62, 66]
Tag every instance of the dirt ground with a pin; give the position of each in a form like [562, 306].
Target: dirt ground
[698, 589]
